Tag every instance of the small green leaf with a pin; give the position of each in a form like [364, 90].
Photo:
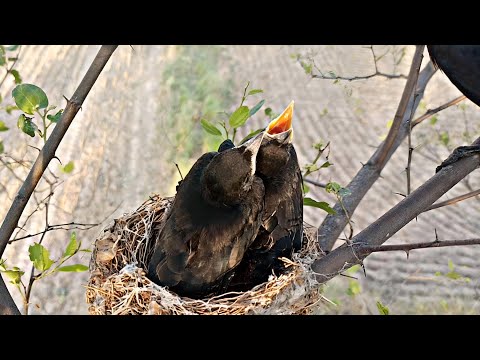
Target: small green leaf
[12, 47]
[269, 112]
[326, 164]
[16, 75]
[210, 128]
[332, 74]
[40, 257]
[73, 268]
[239, 117]
[26, 125]
[3, 127]
[353, 269]
[85, 250]
[10, 108]
[438, 273]
[2, 147]
[254, 91]
[450, 265]
[256, 107]
[318, 146]
[306, 189]
[14, 276]
[68, 168]
[56, 117]
[344, 192]
[72, 246]
[453, 275]
[251, 135]
[433, 120]
[318, 204]
[382, 309]
[29, 98]
[333, 187]
[310, 168]
[354, 288]
[3, 59]
[444, 138]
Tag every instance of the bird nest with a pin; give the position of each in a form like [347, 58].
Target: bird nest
[118, 284]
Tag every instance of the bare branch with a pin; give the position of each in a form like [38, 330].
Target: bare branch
[454, 200]
[67, 227]
[333, 225]
[393, 220]
[436, 110]
[48, 152]
[316, 183]
[423, 245]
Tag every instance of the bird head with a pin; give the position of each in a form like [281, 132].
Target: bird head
[230, 174]
[275, 150]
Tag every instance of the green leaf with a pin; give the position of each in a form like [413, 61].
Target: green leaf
[306, 189]
[85, 250]
[326, 164]
[3, 59]
[2, 147]
[29, 98]
[12, 47]
[72, 246]
[438, 273]
[3, 127]
[332, 187]
[56, 117]
[382, 309]
[256, 107]
[251, 135]
[318, 204]
[453, 275]
[239, 117]
[450, 265]
[433, 120]
[16, 75]
[73, 268]
[26, 125]
[10, 108]
[444, 138]
[40, 257]
[210, 128]
[354, 288]
[14, 275]
[317, 146]
[353, 269]
[68, 168]
[344, 192]
[269, 112]
[254, 91]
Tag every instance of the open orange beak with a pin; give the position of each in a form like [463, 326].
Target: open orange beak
[283, 122]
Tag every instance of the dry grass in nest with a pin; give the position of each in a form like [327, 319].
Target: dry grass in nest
[118, 284]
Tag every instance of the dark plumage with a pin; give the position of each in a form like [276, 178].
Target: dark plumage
[282, 223]
[214, 218]
[461, 64]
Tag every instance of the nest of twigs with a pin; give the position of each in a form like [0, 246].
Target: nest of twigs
[118, 284]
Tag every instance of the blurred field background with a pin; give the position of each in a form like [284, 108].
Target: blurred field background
[143, 116]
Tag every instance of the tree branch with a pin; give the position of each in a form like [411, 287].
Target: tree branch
[333, 225]
[454, 200]
[47, 154]
[436, 110]
[393, 220]
[423, 245]
[316, 183]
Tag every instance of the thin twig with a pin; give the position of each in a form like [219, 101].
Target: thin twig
[11, 66]
[454, 200]
[423, 245]
[316, 183]
[71, 226]
[436, 110]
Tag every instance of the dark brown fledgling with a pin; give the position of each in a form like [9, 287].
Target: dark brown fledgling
[282, 224]
[461, 64]
[214, 218]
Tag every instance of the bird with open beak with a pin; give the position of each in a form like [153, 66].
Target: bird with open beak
[215, 217]
[282, 224]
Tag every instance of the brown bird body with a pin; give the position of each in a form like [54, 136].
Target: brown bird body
[214, 218]
[282, 224]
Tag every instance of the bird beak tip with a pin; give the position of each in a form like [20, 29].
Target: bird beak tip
[283, 122]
